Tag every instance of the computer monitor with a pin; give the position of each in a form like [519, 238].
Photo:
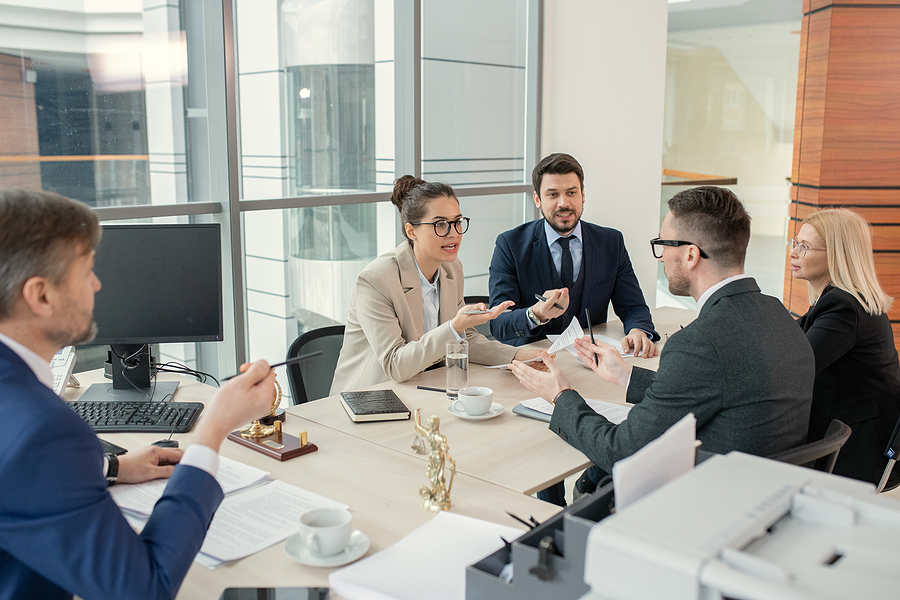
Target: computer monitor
[160, 284]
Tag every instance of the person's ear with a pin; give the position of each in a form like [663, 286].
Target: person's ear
[537, 199]
[410, 230]
[37, 293]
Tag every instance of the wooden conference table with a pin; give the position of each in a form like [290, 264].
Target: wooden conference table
[518, 453]
[371, 467]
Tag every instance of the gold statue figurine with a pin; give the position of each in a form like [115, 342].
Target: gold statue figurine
[437, 497]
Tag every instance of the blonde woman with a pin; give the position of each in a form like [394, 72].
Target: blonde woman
[857, 370]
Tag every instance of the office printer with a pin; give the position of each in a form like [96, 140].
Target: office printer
[740, 526]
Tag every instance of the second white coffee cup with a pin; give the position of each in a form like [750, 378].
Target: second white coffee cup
[474, 401]
[326, 531]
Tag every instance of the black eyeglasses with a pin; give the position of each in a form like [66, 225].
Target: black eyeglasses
[442, 227]
[675, 243]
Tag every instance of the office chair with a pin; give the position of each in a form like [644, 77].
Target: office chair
[893, 454]
[485, 328]
[819, 455]
[311, 379]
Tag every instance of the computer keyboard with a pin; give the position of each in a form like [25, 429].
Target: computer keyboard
[128, 416]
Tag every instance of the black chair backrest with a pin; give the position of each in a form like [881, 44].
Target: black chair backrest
[311, 379]
[819, 455]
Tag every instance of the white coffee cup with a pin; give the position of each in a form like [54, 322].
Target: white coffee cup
[326, 531]
[474, 401]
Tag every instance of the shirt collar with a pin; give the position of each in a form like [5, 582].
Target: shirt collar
[424, 280]
[552, 234]
[714, 288]
[35, 362]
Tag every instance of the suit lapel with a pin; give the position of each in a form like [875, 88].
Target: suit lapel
[544, 263]
[449, 295]
[590, 262]
[412, 286]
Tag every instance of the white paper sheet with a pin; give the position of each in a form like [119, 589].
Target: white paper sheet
[259, 517]
[598, 337]
[567, 338]
[140, 498]
[615, 413]
[657, 463]
[507, 365]
[428, 563]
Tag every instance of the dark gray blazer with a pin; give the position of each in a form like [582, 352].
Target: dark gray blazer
[742, 367]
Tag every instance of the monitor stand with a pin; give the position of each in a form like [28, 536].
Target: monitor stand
[131, 378]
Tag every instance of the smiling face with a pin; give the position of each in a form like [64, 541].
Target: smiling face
[561, 201]
[814, 266]
[430, 249]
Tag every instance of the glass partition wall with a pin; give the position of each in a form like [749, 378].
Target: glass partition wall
[285, 121]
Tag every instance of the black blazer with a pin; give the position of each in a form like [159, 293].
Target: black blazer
[857, 380]
[522, 267]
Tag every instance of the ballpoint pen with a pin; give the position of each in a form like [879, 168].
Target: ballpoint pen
[587, 316]
[289, 361]
[542, 299]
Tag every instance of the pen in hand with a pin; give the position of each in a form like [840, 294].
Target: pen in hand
[290, 361]
[542, 299]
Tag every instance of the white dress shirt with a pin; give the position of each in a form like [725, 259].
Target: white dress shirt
[196, 455]
[431, 303]
[576, 247]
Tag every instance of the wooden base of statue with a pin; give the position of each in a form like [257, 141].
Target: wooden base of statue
[274, 444]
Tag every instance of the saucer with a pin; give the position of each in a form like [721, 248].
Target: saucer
[495, 410]
[358, 545]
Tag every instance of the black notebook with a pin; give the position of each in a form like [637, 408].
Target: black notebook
[374, 405]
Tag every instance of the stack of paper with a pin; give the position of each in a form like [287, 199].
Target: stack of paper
[256, 519]
[255, 514]
[540, 409]
[598, 337]
[429, 563]
[138, 499]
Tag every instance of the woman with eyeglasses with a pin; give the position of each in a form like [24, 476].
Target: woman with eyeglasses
[857, 370]
[409, 302]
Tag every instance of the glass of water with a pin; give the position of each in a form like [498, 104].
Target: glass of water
[457, 367]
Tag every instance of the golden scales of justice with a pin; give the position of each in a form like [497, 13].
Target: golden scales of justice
[271, 439]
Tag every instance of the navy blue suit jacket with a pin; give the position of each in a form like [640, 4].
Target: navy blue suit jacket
[521, 267]
[60, 531]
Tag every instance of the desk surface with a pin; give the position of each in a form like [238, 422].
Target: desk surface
[379, 484]
[512, 451]
[371, 468]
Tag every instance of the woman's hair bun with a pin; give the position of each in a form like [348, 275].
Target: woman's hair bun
[402, 188]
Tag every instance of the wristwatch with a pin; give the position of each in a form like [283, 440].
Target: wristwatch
[112, 471]
[533, 318]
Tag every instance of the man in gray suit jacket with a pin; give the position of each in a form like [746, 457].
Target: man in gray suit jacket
[740, 367]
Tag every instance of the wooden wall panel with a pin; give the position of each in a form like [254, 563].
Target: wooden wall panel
[818, 36]
[861, 145]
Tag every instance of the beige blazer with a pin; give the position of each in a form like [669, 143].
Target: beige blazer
[384, 339]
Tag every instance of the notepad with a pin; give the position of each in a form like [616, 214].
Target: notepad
[540, 409]
[374, 405]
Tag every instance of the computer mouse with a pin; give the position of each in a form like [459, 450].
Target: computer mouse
[166, 443]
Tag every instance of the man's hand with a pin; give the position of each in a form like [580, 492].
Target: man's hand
[527, 354]
[547, 384]
[147, 464]
[240, 400]
[544, 311]
[462, 321]
[608, 364]
[637, 342]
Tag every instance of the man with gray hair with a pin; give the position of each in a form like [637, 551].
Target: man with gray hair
[60, 531]
[740, 367]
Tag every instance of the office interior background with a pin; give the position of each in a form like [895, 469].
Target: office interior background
[286, 121]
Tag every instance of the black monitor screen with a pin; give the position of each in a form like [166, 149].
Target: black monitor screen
[160, 283]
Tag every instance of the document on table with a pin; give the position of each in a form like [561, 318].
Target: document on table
[140, 498]
[429, 563]
[659, 462]
[256, 519]
[614, 413]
